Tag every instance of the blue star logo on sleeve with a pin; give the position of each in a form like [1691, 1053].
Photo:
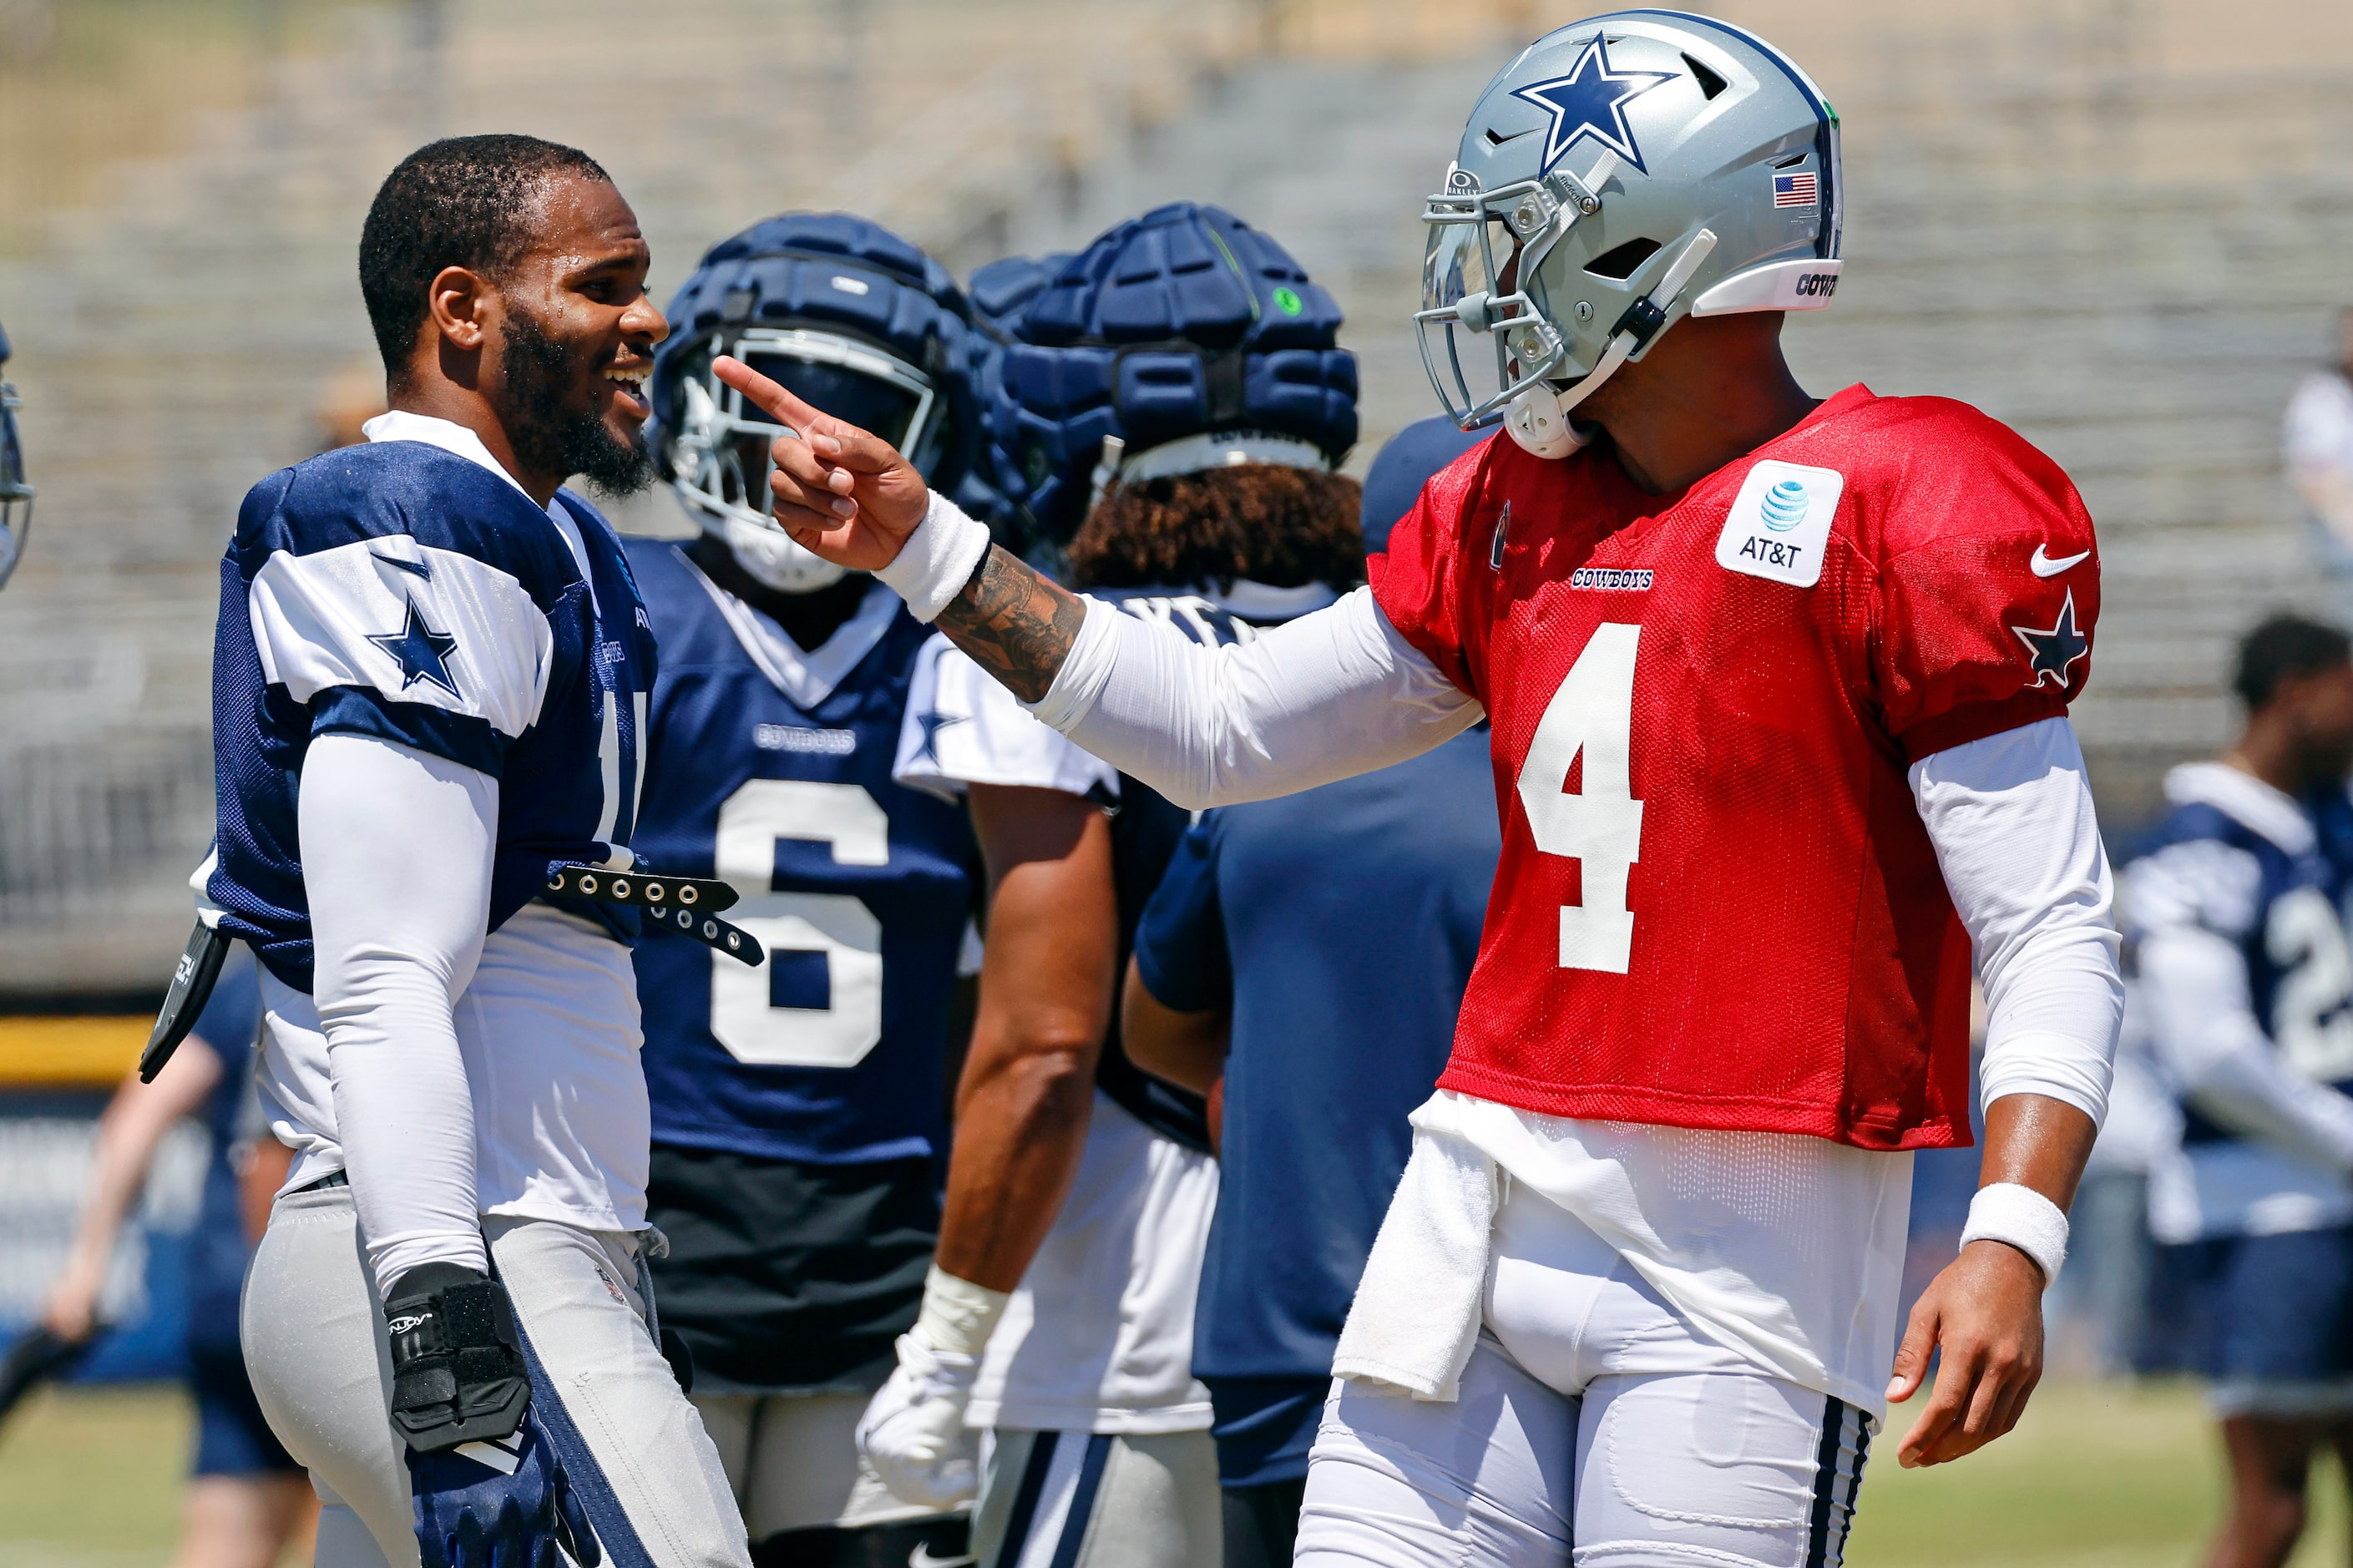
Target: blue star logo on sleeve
[932, 724]
[422, 653]
[2052, 652]
[1590, 101]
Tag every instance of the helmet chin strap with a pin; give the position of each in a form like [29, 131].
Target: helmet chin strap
[1538, 418]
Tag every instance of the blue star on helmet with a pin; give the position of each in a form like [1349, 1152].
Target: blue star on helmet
[2052, 652]
[422, 653]
[1590, 100]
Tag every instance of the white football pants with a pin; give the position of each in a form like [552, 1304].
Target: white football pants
[314, 1345]
[1595, 1427]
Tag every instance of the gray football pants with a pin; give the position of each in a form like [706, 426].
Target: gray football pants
[1084, 1500]
[314, 1343]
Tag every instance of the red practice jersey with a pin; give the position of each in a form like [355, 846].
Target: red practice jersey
[1716, 905]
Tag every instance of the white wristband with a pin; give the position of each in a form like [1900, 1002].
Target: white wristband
[958, 1316]
[2025, 1219]
[937, 560]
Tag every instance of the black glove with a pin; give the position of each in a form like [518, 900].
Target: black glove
[458, 1371]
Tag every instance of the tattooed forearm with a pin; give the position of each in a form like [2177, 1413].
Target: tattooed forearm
[1017, 624]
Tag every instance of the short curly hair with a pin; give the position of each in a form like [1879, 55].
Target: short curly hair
[1282, 526]
[2284, 648]
[464, 201]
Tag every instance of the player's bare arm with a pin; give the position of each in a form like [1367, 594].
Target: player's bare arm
[1188, 1049]
[852, 499]
[1984, 1310]
[1029, 1079]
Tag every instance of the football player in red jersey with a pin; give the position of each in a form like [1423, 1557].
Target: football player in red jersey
[1778, 689]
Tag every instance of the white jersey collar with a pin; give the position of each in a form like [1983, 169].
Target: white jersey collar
[2246, 800]
[400, 424]
[808, 678]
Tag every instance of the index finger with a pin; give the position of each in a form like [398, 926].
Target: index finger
[774, 397]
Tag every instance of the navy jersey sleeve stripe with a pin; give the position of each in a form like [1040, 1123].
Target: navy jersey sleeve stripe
[460, 738]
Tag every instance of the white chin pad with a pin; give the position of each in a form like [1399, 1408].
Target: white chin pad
[1539, 423]
[770, 558]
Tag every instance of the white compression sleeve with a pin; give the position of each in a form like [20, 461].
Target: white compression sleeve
[1335, 693]
[2206, 1033]
[396, 850]
[2011, 818]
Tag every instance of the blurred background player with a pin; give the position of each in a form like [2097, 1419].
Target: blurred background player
[2318, 447]
[799, 1108]
[1175, 402]
[247, 1499]
[1302, 964]
[15, 489]
[2247, 985]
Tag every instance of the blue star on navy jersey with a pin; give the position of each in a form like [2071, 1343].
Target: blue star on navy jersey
[932, 724]
[1590, 100]
[422, 652]
[2054, 650]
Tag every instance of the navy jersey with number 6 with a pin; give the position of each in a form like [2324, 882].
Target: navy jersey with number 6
[771, 769]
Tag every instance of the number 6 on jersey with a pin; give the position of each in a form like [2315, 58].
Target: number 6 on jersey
[1601, 825]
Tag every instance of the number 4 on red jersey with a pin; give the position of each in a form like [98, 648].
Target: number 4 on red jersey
[1716, 906]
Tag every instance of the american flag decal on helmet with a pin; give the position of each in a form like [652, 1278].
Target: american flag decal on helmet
[1797, 190]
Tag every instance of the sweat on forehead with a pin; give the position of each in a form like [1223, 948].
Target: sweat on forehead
[474, 201]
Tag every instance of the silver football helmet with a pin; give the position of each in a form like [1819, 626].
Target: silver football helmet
[1620, 173]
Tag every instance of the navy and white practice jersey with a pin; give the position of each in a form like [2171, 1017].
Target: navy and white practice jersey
[403, 591]
[771, 770]
[1339, 926]
[2236, 912]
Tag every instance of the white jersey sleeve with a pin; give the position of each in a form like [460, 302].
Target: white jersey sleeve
[963, 728]
[470, 641]
[1331, 694]
[2019, 843]
[396, 865]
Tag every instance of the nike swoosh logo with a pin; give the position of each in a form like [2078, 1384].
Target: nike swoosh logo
[1495, 141]
[2044, 566]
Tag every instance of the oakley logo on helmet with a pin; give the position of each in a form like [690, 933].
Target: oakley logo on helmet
[1590, 101]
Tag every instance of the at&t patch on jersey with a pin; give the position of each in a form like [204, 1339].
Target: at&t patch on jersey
[1780, 523]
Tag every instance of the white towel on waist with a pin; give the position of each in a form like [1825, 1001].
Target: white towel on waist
[1417, 1308]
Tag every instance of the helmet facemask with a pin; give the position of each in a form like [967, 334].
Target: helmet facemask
[719, 450]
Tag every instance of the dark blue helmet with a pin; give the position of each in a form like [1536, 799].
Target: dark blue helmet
[999, 292]
[853, 319]
[16, 492]
[1179, 340]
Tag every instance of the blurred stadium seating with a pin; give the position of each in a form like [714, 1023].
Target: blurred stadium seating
[2116, 223]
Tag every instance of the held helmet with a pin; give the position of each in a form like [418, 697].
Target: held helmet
[15, 493]
[1179, 340]
[1620, 173]
[848, 316]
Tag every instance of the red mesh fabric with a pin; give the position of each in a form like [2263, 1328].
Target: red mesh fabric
[1796, 965]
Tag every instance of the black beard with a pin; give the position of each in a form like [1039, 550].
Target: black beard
[547, 437]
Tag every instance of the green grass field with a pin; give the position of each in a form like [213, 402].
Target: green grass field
[2098, 1476]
